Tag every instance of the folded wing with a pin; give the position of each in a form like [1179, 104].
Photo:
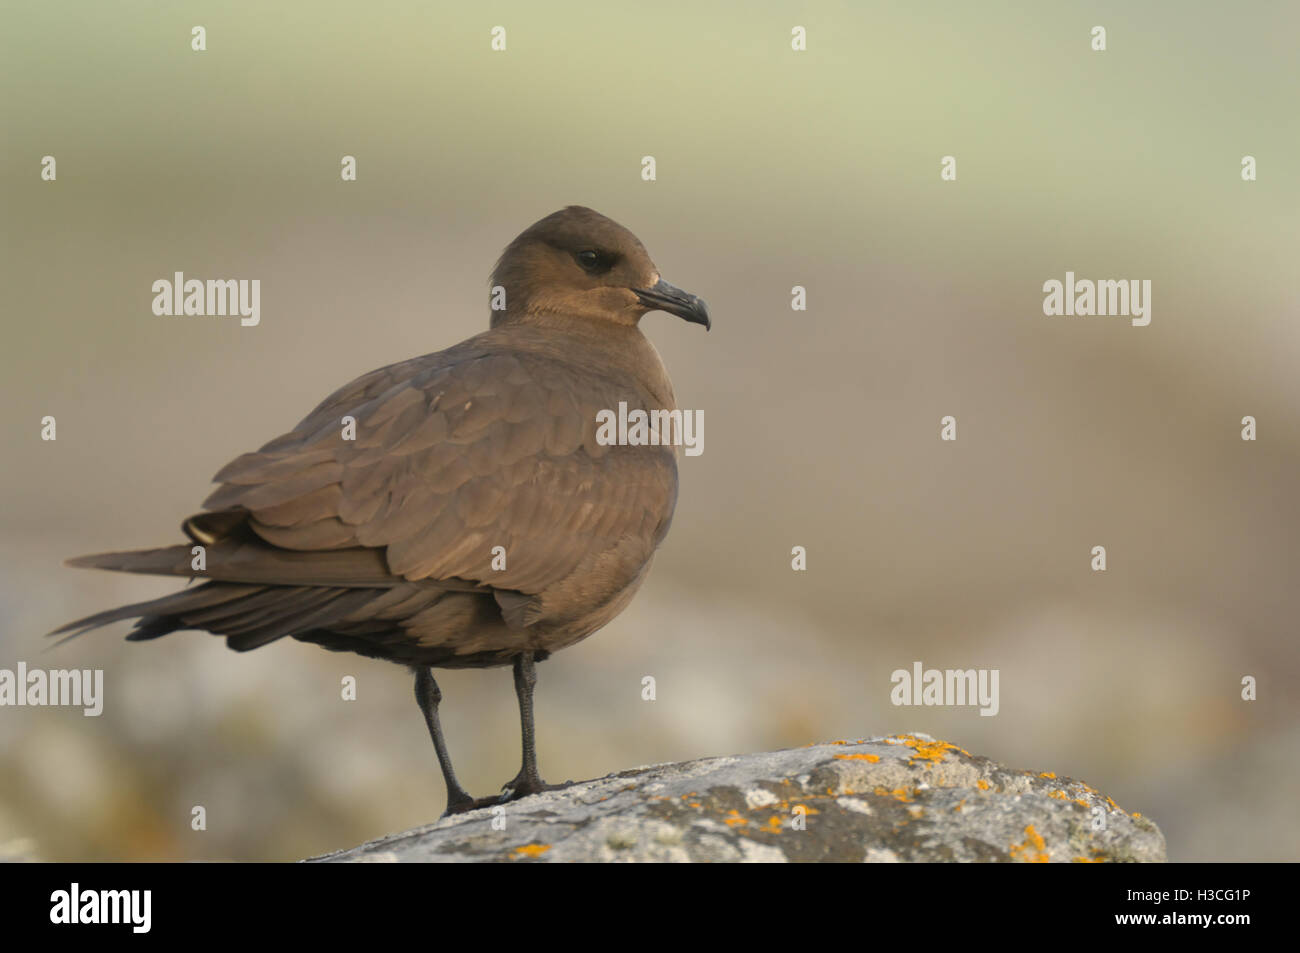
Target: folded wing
[445, 458]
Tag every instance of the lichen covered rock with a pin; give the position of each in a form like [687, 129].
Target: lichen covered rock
[903, 798]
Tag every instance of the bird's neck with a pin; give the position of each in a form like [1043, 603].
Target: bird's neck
[620, 348]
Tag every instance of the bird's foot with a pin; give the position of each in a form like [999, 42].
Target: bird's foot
[520, 787]
[524, 785]
[463, 802]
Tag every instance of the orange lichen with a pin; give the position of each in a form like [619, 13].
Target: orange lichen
[1081, 802]
[532, 850]
[1047, 774]
[982, 784]
[822, 744]
[733, 818]
[898, 794]
[932, 751]
[1033, 850]
[1058, 795]
[873, 758]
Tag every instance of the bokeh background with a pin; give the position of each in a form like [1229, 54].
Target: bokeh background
[775, 168]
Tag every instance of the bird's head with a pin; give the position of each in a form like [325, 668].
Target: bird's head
[576, 262]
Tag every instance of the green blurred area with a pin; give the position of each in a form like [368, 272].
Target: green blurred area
[774, 169]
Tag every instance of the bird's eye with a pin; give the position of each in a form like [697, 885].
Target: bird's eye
[590, 260]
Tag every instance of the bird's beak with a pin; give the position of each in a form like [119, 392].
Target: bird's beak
[666, 297]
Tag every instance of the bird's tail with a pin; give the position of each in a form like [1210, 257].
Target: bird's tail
[168, 561]
[248, 616]
[157, 616]
[243, 557]
[254, 593]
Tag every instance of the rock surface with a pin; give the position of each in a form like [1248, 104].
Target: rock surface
[903, 798]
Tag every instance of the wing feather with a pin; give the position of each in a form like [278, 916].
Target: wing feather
[456, 453]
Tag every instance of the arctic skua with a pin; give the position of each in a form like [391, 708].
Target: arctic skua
[455, 510]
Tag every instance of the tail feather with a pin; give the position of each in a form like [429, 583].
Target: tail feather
[157, 617]
[252, 561]
[186, 600]
[168, 561]
[229, 617]
[254, 592]
[332, 604]
[153, 628]
[248, 616]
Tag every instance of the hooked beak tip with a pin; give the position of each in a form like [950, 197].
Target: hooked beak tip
[666, 297]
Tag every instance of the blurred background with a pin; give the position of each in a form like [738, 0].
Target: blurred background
[775, 169]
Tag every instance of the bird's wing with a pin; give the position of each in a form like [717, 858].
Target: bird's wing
[454, 454]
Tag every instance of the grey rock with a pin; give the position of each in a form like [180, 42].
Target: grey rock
[879, 800]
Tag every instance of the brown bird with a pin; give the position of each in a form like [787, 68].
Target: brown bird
[455, 510]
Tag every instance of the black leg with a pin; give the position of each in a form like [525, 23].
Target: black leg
[527, 781]
[428, 696]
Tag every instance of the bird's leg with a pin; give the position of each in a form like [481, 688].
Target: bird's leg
[428, 696]
[527, 781]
